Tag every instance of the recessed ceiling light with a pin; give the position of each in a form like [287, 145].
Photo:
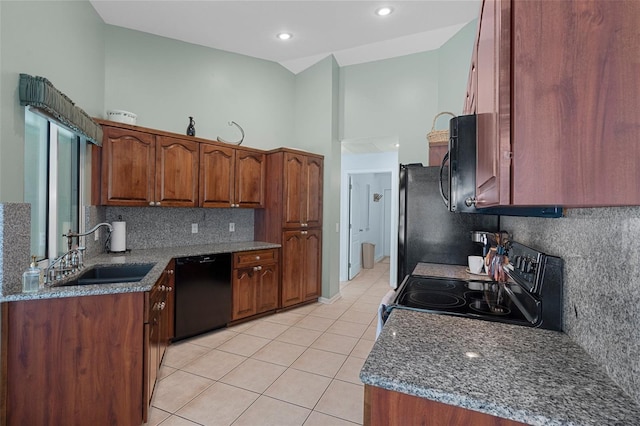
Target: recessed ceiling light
[384, 11]
[284, 36]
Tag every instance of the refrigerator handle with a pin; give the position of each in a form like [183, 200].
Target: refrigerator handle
[442, 194]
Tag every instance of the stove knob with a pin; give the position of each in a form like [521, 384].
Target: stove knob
[531, 267]
[525, 265]
[518, 262]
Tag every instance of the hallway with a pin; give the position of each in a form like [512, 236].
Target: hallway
[298, 367]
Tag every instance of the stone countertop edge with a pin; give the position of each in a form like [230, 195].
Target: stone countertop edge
[530, 375]
[160, 256]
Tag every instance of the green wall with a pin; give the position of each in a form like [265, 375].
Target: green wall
[316, 130]
[62, 41]
[165, 81]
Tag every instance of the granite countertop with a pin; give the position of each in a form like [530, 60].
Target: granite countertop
[530, 375]
[161, 257]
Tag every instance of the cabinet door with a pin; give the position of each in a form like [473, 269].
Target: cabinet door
[313, 264]
[312, 207]
[293, 195]
[217, 166]
[293, 266]
[267, 288]
[244, 293]
[176, 172]
[493, 104]
[249, 179]
[128, 167]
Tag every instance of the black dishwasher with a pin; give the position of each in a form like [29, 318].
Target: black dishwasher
[203, 294]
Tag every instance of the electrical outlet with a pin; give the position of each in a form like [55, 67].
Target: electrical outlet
[96, 235]
[194, 228]
[232, 227]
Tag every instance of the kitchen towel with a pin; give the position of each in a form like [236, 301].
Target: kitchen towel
[383, 305]
[119, 237]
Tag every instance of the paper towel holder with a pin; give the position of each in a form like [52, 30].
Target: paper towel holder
[117, 239]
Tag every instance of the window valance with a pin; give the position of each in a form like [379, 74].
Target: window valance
[39, 93]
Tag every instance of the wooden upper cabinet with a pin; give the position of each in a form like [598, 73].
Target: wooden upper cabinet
[250, 175]
[216, 168]
[231, 177]
[492, 105]
[176, 172]
[557, 103]
[302, 190]
[128, 167]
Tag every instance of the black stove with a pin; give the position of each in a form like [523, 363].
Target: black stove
[532, 297]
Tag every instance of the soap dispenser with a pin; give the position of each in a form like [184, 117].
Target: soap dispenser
[31, 277]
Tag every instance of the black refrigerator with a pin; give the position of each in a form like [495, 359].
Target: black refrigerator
[427, 230]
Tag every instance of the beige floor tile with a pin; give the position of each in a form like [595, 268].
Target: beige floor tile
[271, 412]
[239, 328]
[213, 339]
[267, 330]
[346, 328]
[335, 343]
[304, 310]
[329, 311]
[214, 365]
[165, 371]
[319, 362]
[372, 299]
[243, 344]
[319, 419]
[298, 387]
[315, 323]
[359, 317]
[220, 404]
[180, 354]
[362, 348]
[366, 306]
[178, 421]
[343, 400]
[370, 334]
[280, 353]
[178, 389]
[286, 318]
[156, 416]
[299, 336]
[253, 375]
[350, 370]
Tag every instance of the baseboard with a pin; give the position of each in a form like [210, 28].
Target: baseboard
[330, 301]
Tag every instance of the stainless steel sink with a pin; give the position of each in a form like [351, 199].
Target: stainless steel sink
[109, 274]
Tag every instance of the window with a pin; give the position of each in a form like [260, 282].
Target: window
[54, 156]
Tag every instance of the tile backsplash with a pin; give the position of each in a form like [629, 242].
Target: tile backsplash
[601, 252]
[154, 227]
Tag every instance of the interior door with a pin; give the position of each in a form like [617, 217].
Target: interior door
[354, 229]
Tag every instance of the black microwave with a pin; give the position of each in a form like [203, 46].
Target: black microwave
[458, 179]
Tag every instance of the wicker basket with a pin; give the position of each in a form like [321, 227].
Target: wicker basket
[438, 137]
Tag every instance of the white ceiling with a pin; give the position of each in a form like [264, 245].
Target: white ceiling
[349, 30]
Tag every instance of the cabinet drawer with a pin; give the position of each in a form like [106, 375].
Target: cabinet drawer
[255, 257]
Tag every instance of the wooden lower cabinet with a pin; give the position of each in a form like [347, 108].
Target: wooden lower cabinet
[387, 408]
[255, 283]
[74, 360]
[301, 273]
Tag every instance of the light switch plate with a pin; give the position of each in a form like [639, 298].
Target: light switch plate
[194, 228]
[232, 227]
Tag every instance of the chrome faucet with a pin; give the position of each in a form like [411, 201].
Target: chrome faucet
[73, 260]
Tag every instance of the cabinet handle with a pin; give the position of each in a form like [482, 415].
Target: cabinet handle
[257, 268]
[304, 232]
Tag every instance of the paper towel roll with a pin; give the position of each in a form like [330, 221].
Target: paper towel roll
[119, 236]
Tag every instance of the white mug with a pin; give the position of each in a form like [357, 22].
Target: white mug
[476, 264]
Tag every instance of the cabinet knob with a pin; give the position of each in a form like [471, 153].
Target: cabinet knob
[163, 288]
[470, 201]
[162, 305]
[157, 203]
[170, 272]
[257, 257]
[151, 203]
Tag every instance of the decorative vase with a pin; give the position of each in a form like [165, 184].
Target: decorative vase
[191, 129]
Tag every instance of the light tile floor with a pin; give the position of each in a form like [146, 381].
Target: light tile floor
[298, 367]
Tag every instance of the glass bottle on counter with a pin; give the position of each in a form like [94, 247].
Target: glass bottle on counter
[31, 277]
